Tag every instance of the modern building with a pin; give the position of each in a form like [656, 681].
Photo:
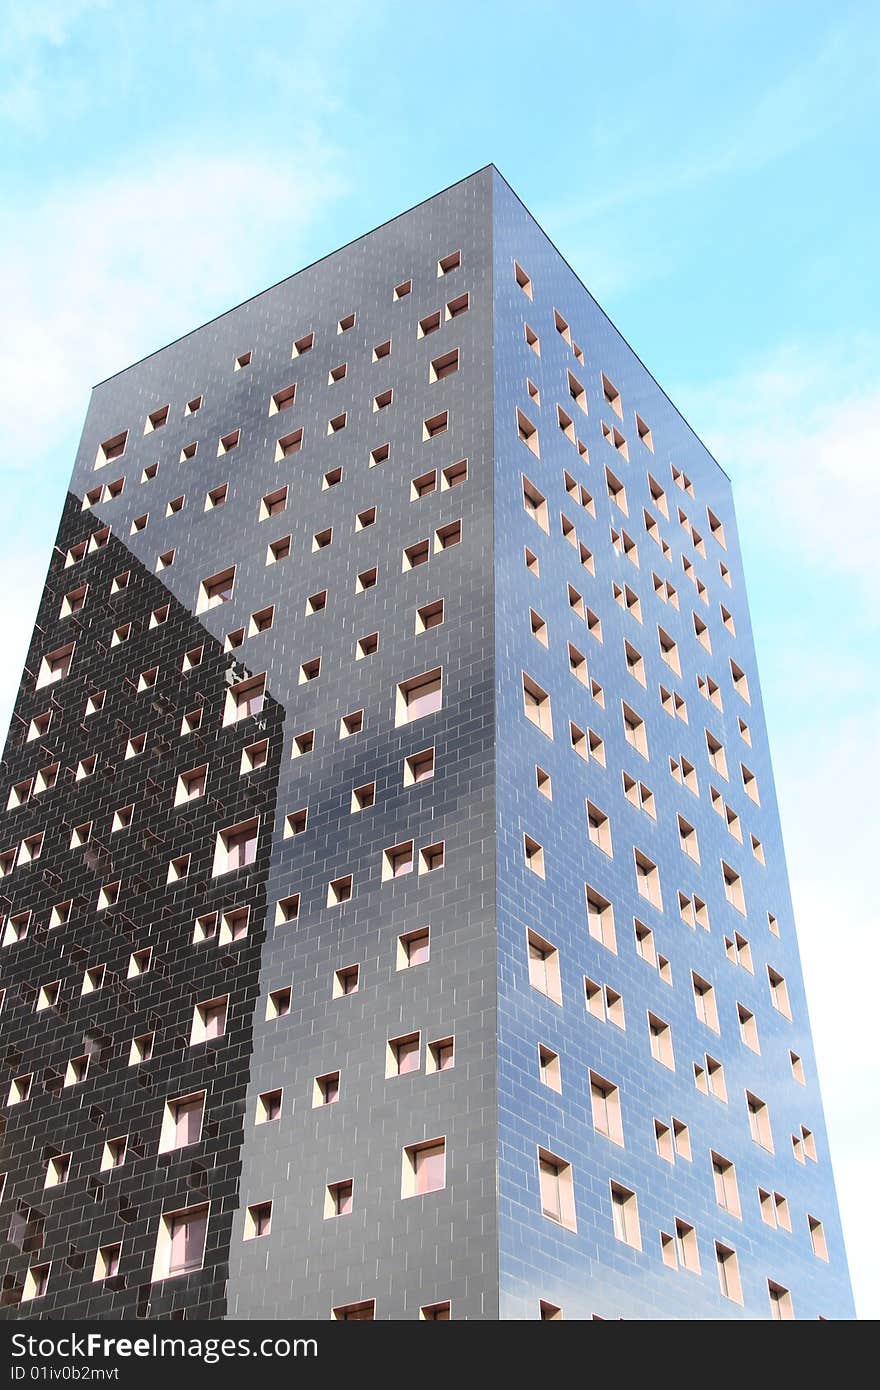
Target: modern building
[395, 920]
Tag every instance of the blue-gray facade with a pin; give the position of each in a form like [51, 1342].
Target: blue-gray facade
[466, 427]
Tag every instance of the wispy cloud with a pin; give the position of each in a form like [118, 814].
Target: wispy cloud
[32, 34]
[144, 255]
[798, 434]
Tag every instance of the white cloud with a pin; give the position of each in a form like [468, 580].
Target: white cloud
[797, 433]
[96, 275]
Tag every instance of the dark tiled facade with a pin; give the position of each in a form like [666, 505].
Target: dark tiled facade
[467, 272]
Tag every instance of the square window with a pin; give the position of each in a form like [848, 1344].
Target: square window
[288, 444]
[419, 767]
[424, 1168]
[414, 948]
[419, 696]
[402, 1055]
[180, 1246]
[362, 798]
[338, 1199]
[326, 1089]
[340, 890]
[346, 981]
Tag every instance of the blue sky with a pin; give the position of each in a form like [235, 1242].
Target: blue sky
[708, 168]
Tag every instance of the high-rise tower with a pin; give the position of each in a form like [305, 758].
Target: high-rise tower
[395, 917]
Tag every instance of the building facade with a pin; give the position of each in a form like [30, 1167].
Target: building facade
[395, 920]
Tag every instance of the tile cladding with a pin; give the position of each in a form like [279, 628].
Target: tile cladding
[467, 271]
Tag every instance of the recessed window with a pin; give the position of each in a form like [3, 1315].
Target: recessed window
[660, 1035]
[156, 419]
[338, 373]
[600, 918]
[444, 365]
[215, 590]
[182, 1122]
[455, 474]
[437, 424]
[107, 1262]
[278, 550]
[244, 699]
[537, 706]
[528, 433]
[544, 973]
[383, 400]
[625, 1215]
[338, 1198]
[422, 486]
[599, 828]
[287, 910]
[398, 861]
[356, 1312]
[733, 888]
[414, 948]
[362, 798]
[778, 992]
[303, 345]
[447, 536]
[534, 855]
[288, 444]
[432, 857]
[322, 539]
[316, 603]
[346, 323]
[278, 1003]
[261, 621]
[605, 1101]
[419, 553]
[55, 665]
[429, 615]
[424, 1168]
[759, 1121]
[258, 1221]
[111, 449]
[402, 290]
[326, 1089]
[449, 263]
[273, 503]
[367, 646]
[236, 848]
[209, 1020]
[141, 1049]
[228, 442]
[555, 1181]
[351, 724]
[366, 580]
[269, 1106]
[295, 823]
[36, 1282]
[191, 785]
[419, 696]
[346, 981]
[180, 1246]
[522, 280]
[549, 1069]
[403, 1055]
[283, 399]
[340, 890]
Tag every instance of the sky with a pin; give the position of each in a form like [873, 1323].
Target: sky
[709, 169]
